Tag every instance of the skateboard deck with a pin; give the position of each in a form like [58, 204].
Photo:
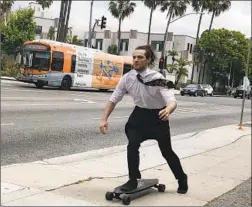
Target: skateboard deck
[143, 184]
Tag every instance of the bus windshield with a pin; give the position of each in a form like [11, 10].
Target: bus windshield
[36, 60]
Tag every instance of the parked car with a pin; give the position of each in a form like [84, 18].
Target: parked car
[208, 88]
[193, 90]
[239, 92]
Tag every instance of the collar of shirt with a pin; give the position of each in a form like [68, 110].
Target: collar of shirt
[149, 74]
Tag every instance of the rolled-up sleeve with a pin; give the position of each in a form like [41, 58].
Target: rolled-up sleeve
[168, 95]
[119, 91]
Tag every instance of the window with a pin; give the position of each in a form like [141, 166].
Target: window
[126, 68]
[99, 43]
[124, 45]
[57, 61]
[188, 46]
[38, 29]
[191, 48]
[73, 63]
[41, 60]
[86, 42]
[158, 45]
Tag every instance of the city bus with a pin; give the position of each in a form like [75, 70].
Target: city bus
[62, 65]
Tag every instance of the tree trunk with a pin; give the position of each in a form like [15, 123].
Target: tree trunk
[199, 24]
[119, 37]
[166, 33]
[60, 20]
[211, 23]
[203, 73]
[150, 20]
[67, 20]
[197, 39]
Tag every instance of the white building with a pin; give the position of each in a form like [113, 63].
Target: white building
[183, 44]
[44, 21]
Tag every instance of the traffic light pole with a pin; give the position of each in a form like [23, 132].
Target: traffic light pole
[244, 89]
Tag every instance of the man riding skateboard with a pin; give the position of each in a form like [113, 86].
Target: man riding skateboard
[150, 117]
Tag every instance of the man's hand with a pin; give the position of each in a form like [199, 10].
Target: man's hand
[164, 114]
[103, 126]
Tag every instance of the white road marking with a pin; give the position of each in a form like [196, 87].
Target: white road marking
[8, 124]
[84, 101]
[114, 117]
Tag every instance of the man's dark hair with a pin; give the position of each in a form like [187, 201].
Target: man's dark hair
[149, 53]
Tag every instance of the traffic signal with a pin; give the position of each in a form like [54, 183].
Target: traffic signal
[103, 22]
[161, 63]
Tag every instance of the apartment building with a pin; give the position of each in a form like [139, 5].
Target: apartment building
[44, 20]
[183, 44]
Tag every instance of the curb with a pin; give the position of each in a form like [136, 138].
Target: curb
[8, 78]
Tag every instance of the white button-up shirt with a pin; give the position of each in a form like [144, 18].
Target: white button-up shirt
[150, 97]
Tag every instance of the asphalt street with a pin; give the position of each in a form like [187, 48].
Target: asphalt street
[45, 123]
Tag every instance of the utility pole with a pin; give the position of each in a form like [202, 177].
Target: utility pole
[244, 81]
[90, 25]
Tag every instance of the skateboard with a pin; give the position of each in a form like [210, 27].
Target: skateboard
[143, 184]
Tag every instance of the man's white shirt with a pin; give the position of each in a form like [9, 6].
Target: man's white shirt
[150, 97]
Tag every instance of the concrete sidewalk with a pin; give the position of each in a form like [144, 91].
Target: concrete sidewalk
[7, 78]
[216, 161]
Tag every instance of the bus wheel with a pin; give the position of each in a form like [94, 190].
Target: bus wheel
[66, 83]
[39, 84]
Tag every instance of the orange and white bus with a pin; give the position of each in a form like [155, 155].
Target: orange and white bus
[62, 65]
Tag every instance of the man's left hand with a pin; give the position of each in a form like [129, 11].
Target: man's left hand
[164, 114]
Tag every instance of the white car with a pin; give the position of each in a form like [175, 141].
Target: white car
[208, 88]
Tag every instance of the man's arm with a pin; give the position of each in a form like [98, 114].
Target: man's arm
[171, 103]
[108, 110]
[116, 97]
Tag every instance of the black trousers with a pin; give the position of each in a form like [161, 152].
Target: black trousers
[144, 124]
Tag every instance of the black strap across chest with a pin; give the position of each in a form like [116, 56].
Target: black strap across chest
[156, 82]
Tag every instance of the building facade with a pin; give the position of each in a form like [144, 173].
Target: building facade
[43, 21]
[183, 44]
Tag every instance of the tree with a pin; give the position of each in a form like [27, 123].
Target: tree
[173, 53]
[20, 28]
[112, 49]
[174, 9]
[75, 41]
[45, 3]
[217, 7]
[152, 5]
[221, 48]
[120, 9]
[51, 33]
[200, 6]
[5, 6]
[181, 70]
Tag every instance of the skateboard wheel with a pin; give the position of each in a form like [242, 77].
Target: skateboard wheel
[126, 200]
[109, 196]
[161, 188]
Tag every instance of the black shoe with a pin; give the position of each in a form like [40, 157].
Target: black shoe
[183, 186]
[129, 186]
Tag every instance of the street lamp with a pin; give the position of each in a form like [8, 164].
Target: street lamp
[163, 51]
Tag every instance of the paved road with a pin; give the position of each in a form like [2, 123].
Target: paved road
[239, 196]
[44, 123]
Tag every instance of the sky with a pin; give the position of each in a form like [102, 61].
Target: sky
[238, 18]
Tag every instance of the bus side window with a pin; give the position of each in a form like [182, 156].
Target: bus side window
[73, 63]
[57, 61]
[126, 68]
